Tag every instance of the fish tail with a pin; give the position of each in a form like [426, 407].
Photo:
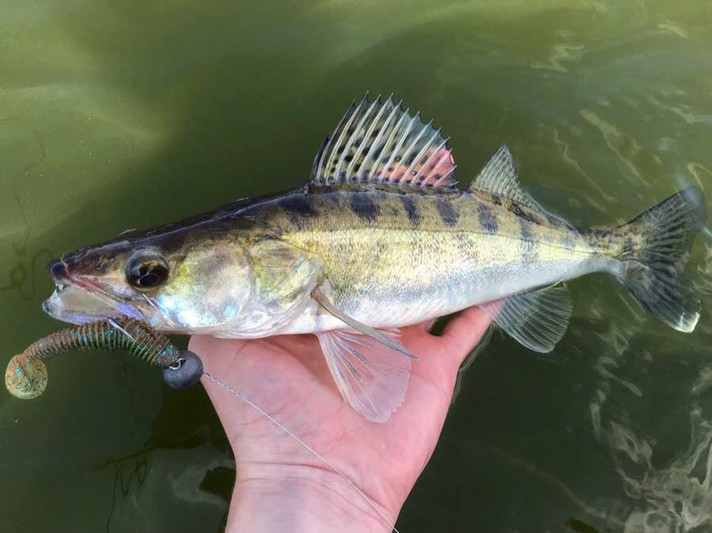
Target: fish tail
[654, 249]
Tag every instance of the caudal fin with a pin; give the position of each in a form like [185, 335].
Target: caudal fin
[655, 248]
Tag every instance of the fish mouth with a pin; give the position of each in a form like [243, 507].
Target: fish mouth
[78, 300]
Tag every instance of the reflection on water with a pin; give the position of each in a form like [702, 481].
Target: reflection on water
[189, 485]
[670, 488]
[671, 498]
[117, 115]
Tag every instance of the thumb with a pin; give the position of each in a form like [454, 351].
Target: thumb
[463, 333]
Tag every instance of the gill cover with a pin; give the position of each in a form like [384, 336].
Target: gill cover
[209, 287]
[283, 277]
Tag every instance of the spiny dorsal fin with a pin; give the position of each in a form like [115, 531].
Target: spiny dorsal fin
[379, 142]
[499, 176]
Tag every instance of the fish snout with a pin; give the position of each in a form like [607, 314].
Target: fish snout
[58, 270]
[47, 307]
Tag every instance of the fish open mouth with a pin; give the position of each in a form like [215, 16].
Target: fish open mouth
[77, 305]
[79, 301]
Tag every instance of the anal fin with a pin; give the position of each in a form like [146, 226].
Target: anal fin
[371, 376]
[537, 319]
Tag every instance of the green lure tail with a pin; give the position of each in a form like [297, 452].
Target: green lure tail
[26, 374]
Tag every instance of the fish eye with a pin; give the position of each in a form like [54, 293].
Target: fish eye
[145, 271]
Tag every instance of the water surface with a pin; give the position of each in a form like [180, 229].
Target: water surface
[116, 115]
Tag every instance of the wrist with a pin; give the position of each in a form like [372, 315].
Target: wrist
[303, 500]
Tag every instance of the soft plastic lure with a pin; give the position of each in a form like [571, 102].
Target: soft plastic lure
[26, 374]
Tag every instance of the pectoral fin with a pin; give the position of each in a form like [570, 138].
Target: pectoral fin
[371, 376]
[368, 331]
[536, 319]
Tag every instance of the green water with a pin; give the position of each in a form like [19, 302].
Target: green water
[126, 114]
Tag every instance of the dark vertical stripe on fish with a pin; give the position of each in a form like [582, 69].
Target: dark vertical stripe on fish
[628, 247]
[530, 246]
[447, 211]
[364, 207]
[298, 208]
[411, 209]
[487, 218]
[464, 244]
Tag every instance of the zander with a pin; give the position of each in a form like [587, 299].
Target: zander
[380, 238]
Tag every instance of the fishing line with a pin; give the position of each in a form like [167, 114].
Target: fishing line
[300, 441]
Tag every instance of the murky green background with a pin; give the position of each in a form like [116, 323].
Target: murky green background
[127, 114]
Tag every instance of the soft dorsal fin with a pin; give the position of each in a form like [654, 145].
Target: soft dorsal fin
[499, 176]
[379, 142]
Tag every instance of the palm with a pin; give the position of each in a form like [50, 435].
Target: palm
[287, 377]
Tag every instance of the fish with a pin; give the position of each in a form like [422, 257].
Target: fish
[379, 238]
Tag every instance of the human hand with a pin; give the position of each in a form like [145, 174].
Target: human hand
[283, 487]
